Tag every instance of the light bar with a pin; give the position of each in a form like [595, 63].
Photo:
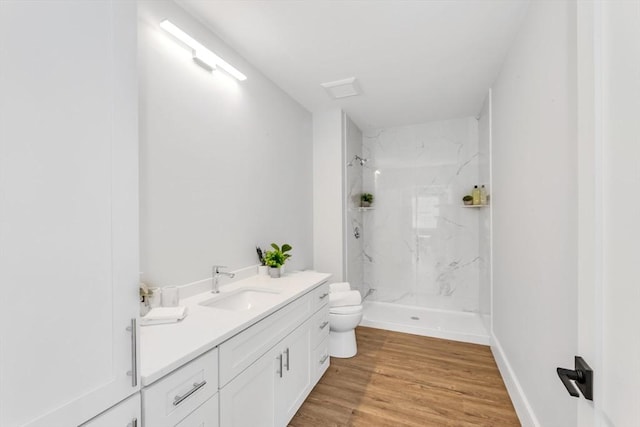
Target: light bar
[201, 55]
[202, 60]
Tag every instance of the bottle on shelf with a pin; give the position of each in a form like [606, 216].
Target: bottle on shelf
[483, 195]
[476, 195]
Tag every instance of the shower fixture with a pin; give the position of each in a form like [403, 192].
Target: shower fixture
[359, 159]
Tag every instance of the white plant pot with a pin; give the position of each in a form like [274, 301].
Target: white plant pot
[263, 270]
[274, 272]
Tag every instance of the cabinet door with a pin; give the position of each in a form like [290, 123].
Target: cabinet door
[295, 384]
[68, 209]
[250, 399]
[124, 414]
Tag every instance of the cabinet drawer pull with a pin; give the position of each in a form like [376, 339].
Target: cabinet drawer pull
[324, 324]
[196, 386]
[133, 423]
[323, 296]
[280, 359]
[287, 351]
[324, 359]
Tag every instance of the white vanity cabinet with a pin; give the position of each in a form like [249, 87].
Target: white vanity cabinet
[69, 210]
[250, 399]
[206, 415]
[274, 385]
[272, 389]
[259, 371]
[320, 333]
[294, 373]
[186, 397]
[124, 414]
[319, 343]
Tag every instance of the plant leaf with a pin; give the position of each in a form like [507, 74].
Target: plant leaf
[286, 247]
[274, 246]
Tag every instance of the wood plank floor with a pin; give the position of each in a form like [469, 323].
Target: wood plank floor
[408, 380]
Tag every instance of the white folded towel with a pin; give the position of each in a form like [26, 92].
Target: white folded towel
[342, 299]
[160, 315]
[339, 287]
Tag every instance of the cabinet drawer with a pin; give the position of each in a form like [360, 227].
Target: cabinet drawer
[175, 396]
[239, 352]
[319, 326]
[124, 414]
[320, 295]
[205, 416]
[320, 360]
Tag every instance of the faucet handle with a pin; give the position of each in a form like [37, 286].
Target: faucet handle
[216, 268]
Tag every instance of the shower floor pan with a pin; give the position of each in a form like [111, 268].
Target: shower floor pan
[451, 325]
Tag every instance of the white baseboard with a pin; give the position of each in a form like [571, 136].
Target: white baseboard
[518, 398]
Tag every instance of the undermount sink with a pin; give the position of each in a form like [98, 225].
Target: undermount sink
[244, 299]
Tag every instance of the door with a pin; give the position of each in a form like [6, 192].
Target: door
[68, 209]
[609, 300]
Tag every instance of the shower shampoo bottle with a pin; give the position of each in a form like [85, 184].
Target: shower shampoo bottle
[476, 195]
[483, 195]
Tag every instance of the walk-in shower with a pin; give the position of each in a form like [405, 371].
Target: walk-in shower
[425, 258]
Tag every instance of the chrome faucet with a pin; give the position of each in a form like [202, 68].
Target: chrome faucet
[216, 273]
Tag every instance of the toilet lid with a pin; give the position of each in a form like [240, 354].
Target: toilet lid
[348, 309]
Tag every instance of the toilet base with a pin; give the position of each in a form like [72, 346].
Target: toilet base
[342, 344]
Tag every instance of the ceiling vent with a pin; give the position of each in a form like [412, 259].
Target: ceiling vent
[342, 88]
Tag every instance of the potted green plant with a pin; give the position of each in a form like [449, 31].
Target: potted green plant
[276, 258]
[467, 200]
[366, 199]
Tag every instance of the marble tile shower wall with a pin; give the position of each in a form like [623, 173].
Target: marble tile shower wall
[420, 245]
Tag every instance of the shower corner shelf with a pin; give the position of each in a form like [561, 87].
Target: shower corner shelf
[475, 206]
[362, 209]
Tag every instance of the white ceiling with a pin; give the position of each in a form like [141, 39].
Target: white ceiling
[415, 61]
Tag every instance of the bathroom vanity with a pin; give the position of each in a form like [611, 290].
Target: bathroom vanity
[248, 356]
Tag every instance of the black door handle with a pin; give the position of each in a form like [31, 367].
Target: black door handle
[583, 377]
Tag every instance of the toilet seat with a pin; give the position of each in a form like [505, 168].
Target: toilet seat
[349, 309]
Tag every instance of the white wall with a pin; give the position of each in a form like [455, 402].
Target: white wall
[328, 208]
[534, 202]
[225, 165]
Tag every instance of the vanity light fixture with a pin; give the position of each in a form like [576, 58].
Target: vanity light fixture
[201, 55]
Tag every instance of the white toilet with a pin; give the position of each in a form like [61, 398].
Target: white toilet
[345, 313]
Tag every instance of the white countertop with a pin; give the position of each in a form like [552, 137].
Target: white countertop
[163, 348]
